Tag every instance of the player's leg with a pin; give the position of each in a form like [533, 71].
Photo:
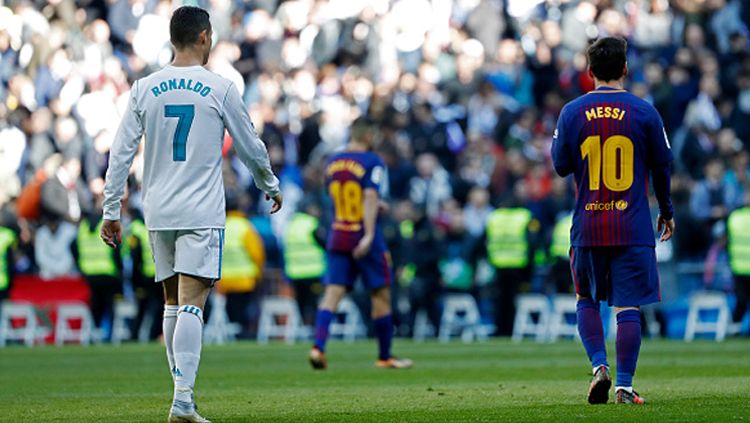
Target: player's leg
[382, 320]
[331, 298]
[628, 346]
[339, 275]
[635, 282]
[585, 267]
[163, 248]
[187, 342]
[376, 274]
[171, 306]
[188, 333]
[198, 262]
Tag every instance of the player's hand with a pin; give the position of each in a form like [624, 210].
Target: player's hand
[383, 207]
[111, 233]
[665, 228]
[362, 248]
[278, 200]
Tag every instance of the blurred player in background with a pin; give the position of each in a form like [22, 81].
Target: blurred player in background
[611, 141]
[183, 110]
[355, 246]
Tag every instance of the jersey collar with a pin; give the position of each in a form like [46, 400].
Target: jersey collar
[607, 90]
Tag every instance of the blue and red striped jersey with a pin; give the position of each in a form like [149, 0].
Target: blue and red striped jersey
[611, 140]
[348, 175]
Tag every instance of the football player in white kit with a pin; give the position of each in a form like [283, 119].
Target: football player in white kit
[183, 110]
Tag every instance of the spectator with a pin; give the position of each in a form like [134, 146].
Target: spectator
[431, 186]
[64, 197]
[737, 181]
[477, 211]
[53, 245]
[424, 249]
[708, 200]
[467, 97]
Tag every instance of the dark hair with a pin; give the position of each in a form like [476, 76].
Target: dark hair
[186, 24]
[607, 57]
[361, 129]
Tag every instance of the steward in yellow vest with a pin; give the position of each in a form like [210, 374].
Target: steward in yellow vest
[8, 242]
[94, 257]
[243, 258]
[305, 258]
[148, 293]
[559, 250]
[140, 249]
[738, 231]
[510, 253]
[243, 255]
[100, 266]
[507, 238]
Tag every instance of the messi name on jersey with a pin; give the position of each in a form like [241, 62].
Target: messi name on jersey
[606, 112]
[180, 84]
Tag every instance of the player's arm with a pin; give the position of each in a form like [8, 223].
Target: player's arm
[250, 149]
[562, 157]
[121, 155]
[371, 205]
[660, 163]
[372, 184]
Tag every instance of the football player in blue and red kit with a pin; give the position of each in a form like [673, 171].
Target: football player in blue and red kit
[611, 141]
[355, 246]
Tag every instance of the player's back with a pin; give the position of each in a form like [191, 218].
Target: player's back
[348, 175]
[610, 139]
[181, 110]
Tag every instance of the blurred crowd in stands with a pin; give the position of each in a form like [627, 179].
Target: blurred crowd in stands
[465, 94]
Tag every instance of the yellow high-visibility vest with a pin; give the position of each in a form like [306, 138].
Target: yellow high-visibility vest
[303, 257]
[95, 258]
[236, 263]
[7, 238]
[138, 229]
[561, 237]
[738, 228]
[507, 245]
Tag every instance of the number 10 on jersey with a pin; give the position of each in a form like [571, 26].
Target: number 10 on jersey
[616, 152]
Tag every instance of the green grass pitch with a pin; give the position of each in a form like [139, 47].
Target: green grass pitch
[495, 381]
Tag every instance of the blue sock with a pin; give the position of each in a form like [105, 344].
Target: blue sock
[384, 332]
[590, 328]
[628, 345]
[322, 322]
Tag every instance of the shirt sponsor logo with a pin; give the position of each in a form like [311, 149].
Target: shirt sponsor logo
[619, 205]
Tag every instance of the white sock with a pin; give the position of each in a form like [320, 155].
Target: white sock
[628, 389]
[188, 334]
[167, 325]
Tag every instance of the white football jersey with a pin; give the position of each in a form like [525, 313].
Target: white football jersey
[182, 111]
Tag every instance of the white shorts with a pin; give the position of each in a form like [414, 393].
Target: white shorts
[193, 252]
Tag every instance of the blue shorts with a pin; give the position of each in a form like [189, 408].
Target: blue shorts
[374, 268]
[622, 276]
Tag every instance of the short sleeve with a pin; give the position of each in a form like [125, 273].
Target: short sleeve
[375, 175]
[562, 158]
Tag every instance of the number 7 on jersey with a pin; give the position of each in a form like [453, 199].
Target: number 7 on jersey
[184, 114]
